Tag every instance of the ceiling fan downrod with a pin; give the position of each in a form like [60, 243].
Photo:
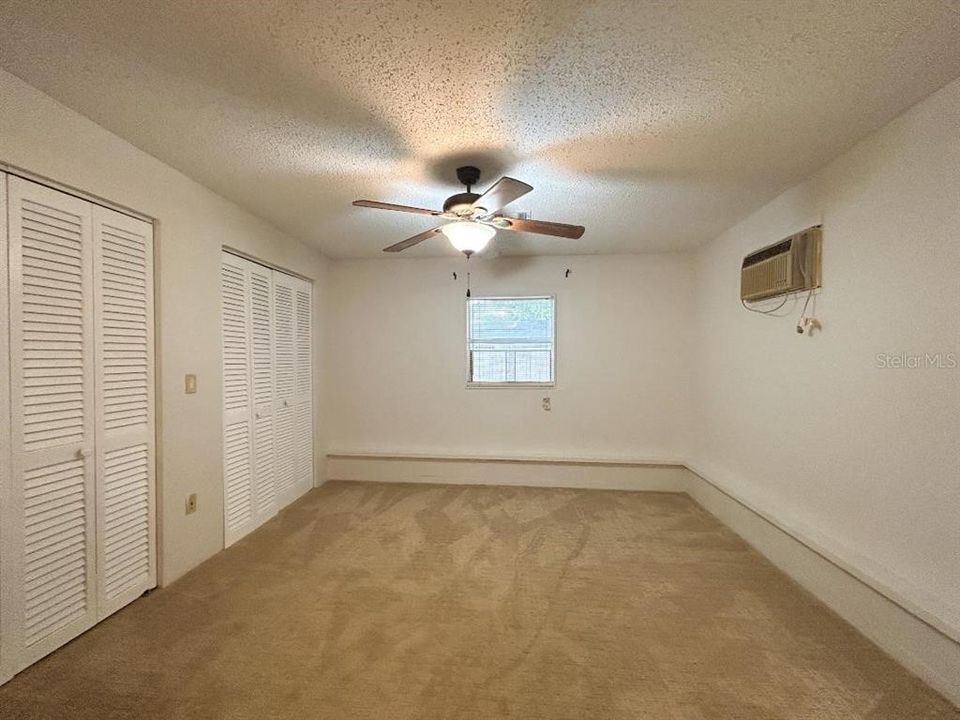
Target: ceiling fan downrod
[468, 175]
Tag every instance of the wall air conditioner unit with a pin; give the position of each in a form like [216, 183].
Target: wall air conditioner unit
[788, 266]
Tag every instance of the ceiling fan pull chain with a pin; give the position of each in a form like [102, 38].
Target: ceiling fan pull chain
[468, 276]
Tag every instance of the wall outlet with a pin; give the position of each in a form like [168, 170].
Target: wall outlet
[191, 503]
[546, 404]
[190, 384]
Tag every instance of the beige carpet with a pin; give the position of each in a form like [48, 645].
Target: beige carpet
[412, 601]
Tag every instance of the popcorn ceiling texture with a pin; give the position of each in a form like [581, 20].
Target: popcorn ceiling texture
[656, 124]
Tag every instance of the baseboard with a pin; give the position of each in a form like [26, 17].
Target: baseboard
[915, 600]
[911, 640]
[914, 643]
[523, 471]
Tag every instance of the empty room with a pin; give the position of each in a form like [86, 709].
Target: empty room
[428, 360]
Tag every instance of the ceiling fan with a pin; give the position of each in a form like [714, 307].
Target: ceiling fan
[476, 218]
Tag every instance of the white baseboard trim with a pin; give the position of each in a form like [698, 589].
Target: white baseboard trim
[911, 640]
[914, 643]
[901, 591]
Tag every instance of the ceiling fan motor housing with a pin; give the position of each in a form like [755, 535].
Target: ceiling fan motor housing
[468, 175]
[460, 201]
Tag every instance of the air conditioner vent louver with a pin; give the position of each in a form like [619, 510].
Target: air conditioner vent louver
[784, 267]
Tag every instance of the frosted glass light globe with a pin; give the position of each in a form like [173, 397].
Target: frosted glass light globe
[468, 237]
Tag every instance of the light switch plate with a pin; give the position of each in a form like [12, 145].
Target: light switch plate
[191, 503]
[190, 383]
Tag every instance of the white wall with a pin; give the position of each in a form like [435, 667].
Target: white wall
[398, 359]
[42, 136]
[862, 461]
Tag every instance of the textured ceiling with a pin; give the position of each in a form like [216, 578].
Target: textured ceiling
[655, 124]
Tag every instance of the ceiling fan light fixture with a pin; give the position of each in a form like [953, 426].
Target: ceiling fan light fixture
[468, 237]
[476, 217]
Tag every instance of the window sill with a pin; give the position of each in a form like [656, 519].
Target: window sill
[509, 385]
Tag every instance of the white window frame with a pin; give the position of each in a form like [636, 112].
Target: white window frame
[471, 385]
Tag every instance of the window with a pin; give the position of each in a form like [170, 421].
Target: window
[510, 341]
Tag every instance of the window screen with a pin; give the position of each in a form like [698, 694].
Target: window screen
[510, 340]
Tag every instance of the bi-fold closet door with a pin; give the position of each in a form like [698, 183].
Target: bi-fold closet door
[77, 510]
[267, 392]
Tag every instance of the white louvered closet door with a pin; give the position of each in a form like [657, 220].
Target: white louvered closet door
[49, 567]
[238, 460]
[284, 407]
[267, 393]
[123, 292]
[261, 337]
[303, 386]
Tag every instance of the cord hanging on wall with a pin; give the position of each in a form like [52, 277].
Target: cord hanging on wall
[807, 324]
[769, 311]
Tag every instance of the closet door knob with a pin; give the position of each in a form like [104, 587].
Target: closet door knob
[81, 454]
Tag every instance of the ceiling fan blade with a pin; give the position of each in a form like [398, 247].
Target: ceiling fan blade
[541, 227]
[503, 192]
[391, 206]
[411, 241]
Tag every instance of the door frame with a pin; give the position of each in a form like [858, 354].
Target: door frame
[6, 449]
